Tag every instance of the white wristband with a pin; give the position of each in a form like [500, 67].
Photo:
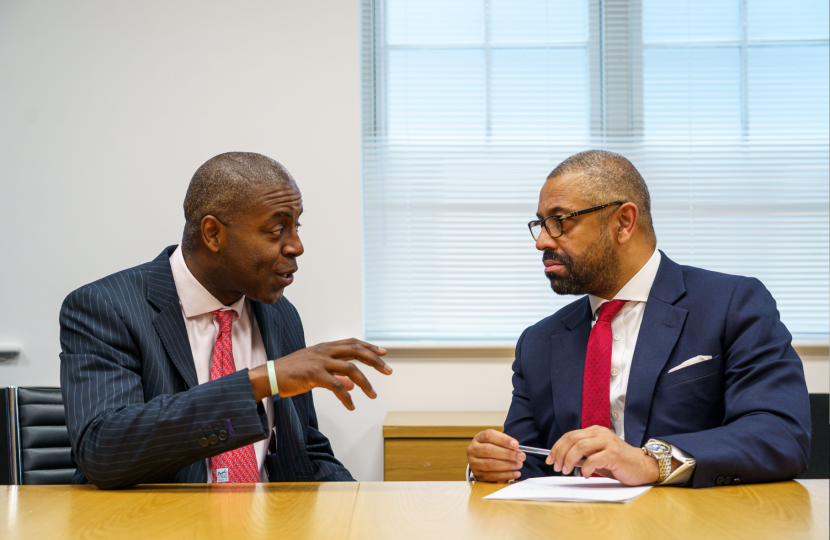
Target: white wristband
[272, 377]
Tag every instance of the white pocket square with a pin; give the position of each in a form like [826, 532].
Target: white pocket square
[691, 362]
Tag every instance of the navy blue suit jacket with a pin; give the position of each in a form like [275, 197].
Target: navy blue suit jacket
[134, 409]
[744, 414]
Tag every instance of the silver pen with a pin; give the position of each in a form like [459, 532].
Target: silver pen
[532, 450]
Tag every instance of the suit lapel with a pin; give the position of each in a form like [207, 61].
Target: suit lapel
[659, 332]
[169, 323]
[268, 321]
[290, 463]
[568, 365]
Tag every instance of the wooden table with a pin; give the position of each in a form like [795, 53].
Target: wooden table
[178, 511]
[455, 510]
[407, 510]
[428, 446]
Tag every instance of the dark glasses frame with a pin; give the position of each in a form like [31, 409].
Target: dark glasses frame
[560, 219]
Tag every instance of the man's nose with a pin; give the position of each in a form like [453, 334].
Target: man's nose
[294, 246]
[545, 242]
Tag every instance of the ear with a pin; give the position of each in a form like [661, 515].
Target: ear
[213, 233]
[624, 223]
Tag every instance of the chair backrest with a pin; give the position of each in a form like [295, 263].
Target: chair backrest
[820, 443]
[5, 439]
[40, 448]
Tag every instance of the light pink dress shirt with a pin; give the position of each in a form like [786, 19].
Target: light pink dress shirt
[202, 329]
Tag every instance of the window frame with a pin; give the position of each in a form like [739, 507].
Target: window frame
[614, 112]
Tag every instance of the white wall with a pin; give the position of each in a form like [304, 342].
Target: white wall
[107, 110]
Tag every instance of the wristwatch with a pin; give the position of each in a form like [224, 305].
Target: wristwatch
[662, 453]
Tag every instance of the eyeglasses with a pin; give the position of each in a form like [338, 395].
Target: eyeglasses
[553, 224]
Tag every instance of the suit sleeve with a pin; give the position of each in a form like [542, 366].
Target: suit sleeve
[765, 435]
[318, 448]
[120, 440]
[325, 466]
[520, 423]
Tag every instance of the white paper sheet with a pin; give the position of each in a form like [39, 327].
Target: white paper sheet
[569, 488]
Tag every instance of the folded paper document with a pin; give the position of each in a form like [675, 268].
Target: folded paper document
[569, 488]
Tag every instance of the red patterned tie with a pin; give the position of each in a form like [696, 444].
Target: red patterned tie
[596, 382]
[240, 465]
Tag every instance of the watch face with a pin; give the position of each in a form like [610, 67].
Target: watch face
[657, 447]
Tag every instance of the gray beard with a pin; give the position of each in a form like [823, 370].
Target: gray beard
[595, 271]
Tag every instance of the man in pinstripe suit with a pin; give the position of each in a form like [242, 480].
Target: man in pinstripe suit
[169, 369]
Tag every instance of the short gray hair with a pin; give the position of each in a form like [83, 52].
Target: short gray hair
[222, 188]
[608, 177]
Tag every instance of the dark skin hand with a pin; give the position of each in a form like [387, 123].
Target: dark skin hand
[325, 365]
[256, 256]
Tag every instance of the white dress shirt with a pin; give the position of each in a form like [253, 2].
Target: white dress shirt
[625, 328]
[203, 327]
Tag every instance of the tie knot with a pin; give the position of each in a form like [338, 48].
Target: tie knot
[225, 320]
[609, 310]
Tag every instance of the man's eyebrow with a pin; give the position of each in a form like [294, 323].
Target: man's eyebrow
[282, 213]
[555, 211]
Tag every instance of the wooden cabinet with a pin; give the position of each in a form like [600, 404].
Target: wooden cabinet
[432, 446]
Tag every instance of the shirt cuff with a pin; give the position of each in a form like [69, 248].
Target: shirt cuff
[687, 466]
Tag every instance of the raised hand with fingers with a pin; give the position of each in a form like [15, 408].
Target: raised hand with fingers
[326, 365]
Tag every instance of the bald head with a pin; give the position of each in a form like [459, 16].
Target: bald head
[608, 177]
[224, 187]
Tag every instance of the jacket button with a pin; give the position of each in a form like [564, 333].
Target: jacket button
[223, 435]
[203, 441]
[727, 480]
[719, 480]
[736, 480]
[213, 439]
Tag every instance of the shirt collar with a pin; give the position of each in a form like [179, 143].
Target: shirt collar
[193, 297]
[638, 287]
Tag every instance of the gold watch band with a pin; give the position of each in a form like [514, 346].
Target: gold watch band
[664, 462]
[663, 459]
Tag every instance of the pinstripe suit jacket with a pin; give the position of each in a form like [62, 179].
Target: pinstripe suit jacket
[134, 409]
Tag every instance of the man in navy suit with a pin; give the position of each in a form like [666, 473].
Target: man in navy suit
[661, 373]
[192, 367]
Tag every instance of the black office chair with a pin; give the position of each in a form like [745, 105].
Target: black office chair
[39, 449]
[820, 444]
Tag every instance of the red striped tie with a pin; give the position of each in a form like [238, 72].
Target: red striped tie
[596, 382]
[240, 465]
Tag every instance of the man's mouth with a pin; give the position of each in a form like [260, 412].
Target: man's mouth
[286, 277]
[552, 266]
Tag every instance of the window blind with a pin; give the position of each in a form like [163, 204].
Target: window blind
[469, 104]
